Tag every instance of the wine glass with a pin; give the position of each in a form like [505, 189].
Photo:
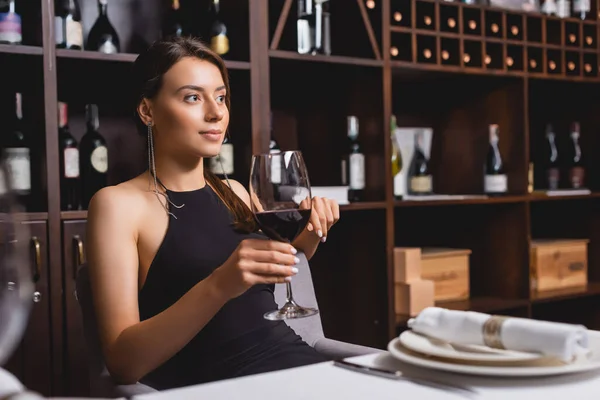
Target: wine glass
[16, 280]
[281, 203]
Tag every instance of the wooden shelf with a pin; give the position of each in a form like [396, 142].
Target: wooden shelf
[484, 304]
[127, 57]
[68, 215]
[367, 205]
[537, 197]
[592, 289]
[32, 216]
[291, 55]
[430, 203]
[20, 49]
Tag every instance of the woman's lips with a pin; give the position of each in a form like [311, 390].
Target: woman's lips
[213, 136]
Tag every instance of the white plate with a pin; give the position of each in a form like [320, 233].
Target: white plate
[438, 348]
[400, 352]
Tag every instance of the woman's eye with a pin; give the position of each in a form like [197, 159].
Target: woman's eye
[221, 99]
[191, 98]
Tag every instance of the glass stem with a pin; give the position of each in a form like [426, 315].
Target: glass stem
[288, 297]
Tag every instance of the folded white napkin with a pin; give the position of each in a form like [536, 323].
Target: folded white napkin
[563, 341]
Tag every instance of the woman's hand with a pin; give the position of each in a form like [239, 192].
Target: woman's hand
[255, 261]
[325, 213]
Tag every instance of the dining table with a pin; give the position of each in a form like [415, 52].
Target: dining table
[327, 380]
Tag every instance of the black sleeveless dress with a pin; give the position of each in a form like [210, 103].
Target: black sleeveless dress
[237, 341]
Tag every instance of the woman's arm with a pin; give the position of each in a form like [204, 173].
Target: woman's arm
[132, 348]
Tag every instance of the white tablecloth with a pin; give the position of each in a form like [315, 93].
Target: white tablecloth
[328, 382]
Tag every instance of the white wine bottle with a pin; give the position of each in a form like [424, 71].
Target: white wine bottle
[397, 175]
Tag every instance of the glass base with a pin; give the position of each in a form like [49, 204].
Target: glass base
[291, 310]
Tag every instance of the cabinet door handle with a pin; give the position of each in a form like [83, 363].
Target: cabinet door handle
[78, 257]
[37, 259]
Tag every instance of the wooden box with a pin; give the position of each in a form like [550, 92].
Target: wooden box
[407, 264]
[449, 270]
[411, 298]
[558, 264]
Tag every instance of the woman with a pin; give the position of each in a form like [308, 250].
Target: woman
[180, 276]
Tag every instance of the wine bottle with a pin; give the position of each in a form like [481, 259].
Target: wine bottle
[356, 163]
[581, 8]
[495, 181]
[419, 177]
[576, 168]
[552, 167]
[10, 24]
[305, 26]
[69, 162]
[397, 176]
[68, 31]
[173, 21]
[17, 155]
[93, 157]
[274, 150]
[103, 37]
[322, 40]
[219, 42]
[222, 163]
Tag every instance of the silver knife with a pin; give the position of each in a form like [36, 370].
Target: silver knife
[398, 375]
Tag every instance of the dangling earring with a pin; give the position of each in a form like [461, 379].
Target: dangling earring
[221, 162]
[152, 169]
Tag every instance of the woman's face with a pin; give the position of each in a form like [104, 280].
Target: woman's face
[189, 111]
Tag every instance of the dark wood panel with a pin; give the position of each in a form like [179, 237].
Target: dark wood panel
[310, 114]
[561, 103]
[496, 235]
[460, 127]
[350, 278]
[76, 361]
[31, 361]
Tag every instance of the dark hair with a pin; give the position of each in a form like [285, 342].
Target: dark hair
[148, 71]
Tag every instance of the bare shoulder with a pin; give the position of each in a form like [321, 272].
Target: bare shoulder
[125, 201]
[240, 190]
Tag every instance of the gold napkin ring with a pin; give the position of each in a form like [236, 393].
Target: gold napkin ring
[492, 329]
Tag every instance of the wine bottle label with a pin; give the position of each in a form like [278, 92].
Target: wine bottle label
[59, 33]
[3, 183]
[225, 158]
[276, 169]
[19, 167]
[581, 5]
[71, 156]
[219, 44]
[495, 184]
[304, 38]
[576, 176]
[99, 159]
[10, 28]
[399, 184]
[357, 171]
[553, 178]
[107, 46]
[421, 184]
[74, 33]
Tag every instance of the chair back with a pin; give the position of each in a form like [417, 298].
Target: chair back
[97, 368]
[310, 328]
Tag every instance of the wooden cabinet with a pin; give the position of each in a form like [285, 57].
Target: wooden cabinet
[31, 361]
[76, 363]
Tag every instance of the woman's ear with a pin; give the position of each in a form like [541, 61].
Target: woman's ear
[144, 110]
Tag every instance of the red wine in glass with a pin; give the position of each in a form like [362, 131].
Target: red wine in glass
[281, 202]
[283, 225]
